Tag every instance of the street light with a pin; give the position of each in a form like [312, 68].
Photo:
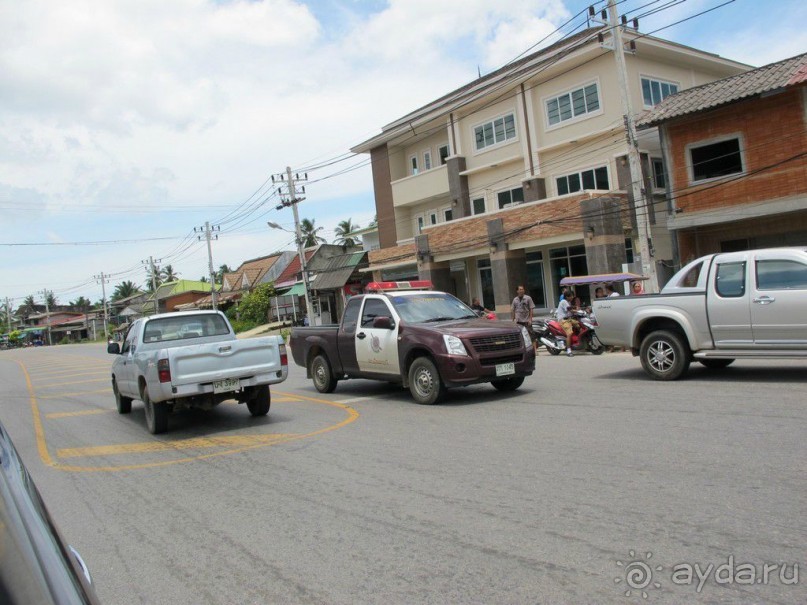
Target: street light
[298, 236]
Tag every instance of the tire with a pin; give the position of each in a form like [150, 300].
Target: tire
[322, 374]
[425, 383]
[156, 414]
[664, 355]
[716, 364]
[595, 346]
[124, 404]
[260, 402]
[552, 351]
[508, 384]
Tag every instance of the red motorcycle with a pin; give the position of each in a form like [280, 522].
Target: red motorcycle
[584, 338]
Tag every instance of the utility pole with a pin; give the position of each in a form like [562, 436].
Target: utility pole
[104, 279]
[47, 313]
[153, 275]
[292, 201]
[638, 191]
[207, 230]
[8, 313]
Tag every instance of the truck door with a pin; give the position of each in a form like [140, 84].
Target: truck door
[779, 298]
[346, 337]
[377, 348]
[728, 302]
[126, 366]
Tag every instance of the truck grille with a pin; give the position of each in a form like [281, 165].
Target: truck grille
[492, 361]
[503, 342]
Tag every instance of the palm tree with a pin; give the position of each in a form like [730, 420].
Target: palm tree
[169, 274]
[220, 273]
[153, 278]
[341, 231]
[125, 289]
[50, 299]
[309, 233]
[30, 301]
[81, 304]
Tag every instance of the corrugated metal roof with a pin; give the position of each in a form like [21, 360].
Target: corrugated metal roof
[338, 270]
[776, 76]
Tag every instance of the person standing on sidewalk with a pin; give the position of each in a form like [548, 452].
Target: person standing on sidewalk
[521, 311]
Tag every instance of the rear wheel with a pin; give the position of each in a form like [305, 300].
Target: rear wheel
[260, 402]
[552, 350]
[716, 364]
[124, 404]
[664, 355]
[322, 375]
[508, 384]
[595, 346]
[424, 382]
[156, 414]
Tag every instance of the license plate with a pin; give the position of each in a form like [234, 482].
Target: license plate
[227, 385]
[503, 369]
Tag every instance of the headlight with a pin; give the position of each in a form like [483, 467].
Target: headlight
[526, 336]
[454, 345]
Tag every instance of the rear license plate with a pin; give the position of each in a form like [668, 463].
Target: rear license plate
[227, 385]
[503, 369]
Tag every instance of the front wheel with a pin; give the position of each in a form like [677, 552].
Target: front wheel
[260, 402]
[508, 384]
[322, 375]
[124, 404]
[424, 382]
[156, 414]
[716, 364]
[664, 355]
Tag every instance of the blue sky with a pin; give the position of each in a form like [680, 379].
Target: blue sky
[126, 124]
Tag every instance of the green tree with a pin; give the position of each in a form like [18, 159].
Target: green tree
[310, 232]
[125, 289]
[81, 304]
[203, 279]
[220, 273]
[168, 274]
[29, 302]
[153, 277]
[51, 299]
[255, 306]
[341, 232]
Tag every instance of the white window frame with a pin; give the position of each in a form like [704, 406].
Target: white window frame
[706, 142]
[653, 162]
[434, 217]
[447, 147]
[444, 211]
[484, 206]
[660, 81]
[509, 190]
[492, 122]
[574, 119]
[580, 172]
[427, 160]
[420, 223]
[413, 165]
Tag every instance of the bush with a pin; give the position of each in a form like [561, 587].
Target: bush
[256, 305]
[242, 325]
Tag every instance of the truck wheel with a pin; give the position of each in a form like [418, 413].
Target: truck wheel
[508, 384]
[124, 404]
[664, 355]
[322, 375]
[424, 382]
[716, 364]
[156, 414]
[260, 402]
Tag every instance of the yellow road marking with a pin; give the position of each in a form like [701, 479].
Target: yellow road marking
[76, 394]
[53, 415]
[167, 446]
[44, 454]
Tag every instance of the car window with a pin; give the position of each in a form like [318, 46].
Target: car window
[690, 279]
[781, 275]
[165, 329]
[430, 307]
[351, 316]
[130, 340]
[730, 279]
[373, 308]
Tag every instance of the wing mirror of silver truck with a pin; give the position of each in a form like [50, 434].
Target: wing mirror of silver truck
[383, 323]
[113, 348]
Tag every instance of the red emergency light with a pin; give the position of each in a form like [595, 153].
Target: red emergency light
[385, 286]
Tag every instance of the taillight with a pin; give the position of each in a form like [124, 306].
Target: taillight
[284, 358]
[164, 370]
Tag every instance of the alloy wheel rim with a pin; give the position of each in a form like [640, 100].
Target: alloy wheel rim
[661, 356]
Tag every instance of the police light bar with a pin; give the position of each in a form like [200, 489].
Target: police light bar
[386, 286]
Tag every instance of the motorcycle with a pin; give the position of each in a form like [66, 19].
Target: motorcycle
[551, 335]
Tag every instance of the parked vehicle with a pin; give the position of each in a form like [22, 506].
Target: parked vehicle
[425, 340]
[193, 359]
[584, 338]
[36, 564]
[718, 308]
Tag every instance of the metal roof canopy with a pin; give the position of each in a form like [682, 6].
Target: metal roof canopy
[602, 278]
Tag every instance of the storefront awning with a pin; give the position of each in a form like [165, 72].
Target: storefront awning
[295, 290]
[602, 278]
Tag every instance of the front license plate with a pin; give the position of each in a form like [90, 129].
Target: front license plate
[503, 369]
[229, 384]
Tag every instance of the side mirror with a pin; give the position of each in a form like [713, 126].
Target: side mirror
[113, 348]
[383, 323]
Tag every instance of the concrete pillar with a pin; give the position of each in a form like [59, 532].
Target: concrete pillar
[458, 187]
[534, 189]
[439, 274]
[509, 268]
[603, 234]
[382, 185]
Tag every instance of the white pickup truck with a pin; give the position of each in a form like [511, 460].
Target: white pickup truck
[722, 307]
[193, 359]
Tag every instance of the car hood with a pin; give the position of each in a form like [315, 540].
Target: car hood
[469, 327]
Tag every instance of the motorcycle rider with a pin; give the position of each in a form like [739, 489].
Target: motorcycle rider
[565, 317]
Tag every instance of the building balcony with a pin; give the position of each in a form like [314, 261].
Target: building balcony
[420, 188]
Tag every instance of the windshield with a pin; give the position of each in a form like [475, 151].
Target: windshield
[431, 307]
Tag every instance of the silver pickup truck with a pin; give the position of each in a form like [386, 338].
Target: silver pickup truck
[193, 359]
[718, 308]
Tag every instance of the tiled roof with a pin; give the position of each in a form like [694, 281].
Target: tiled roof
[289, 274]
[253, 270]
[776, 76]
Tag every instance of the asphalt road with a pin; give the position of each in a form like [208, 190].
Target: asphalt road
[553, 494]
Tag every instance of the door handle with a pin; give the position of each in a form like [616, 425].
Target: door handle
[764, 300]
[361, 335]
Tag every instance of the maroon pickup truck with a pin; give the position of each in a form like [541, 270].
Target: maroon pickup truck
[426, 340]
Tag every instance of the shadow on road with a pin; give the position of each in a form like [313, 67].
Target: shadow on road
[731, 374]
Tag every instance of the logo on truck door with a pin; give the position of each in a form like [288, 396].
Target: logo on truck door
[375, 343]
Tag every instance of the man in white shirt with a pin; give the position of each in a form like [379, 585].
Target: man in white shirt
[566, 320]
